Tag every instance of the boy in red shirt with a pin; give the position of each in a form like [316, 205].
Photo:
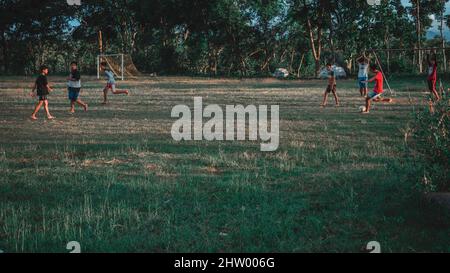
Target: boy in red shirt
[378, 89]
[432, 76]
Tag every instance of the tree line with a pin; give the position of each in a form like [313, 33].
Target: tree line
[215, 37]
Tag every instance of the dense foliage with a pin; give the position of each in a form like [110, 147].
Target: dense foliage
[431, 146]
[209, 37]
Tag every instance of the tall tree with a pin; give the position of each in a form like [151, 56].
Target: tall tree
[312, 14]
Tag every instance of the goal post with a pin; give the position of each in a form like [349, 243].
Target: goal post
[120, 64]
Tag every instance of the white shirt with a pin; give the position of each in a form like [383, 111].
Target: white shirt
[110, 76]
[363, 70]
[73, 84]
[430, 70]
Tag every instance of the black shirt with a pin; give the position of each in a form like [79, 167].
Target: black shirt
[76, 75]
[41, 85]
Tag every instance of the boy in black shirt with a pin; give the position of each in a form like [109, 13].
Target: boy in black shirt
[42, 90]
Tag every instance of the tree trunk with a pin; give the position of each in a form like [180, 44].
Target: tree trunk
[300, 65]
[292, 61]
[267, 58]
[5, 54]
[444, 57]
[333, 50]
[315, 42]
[316, 51]
[388, 53]
[419, 45]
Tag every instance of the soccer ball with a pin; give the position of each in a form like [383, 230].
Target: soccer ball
[362, 109]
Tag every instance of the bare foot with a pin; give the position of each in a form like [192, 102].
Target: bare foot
[337, 105]
[33, 117]
[50, 117]
[85, 107]
[365, 112]
[323, 105]
[127, 92]
[72, 111]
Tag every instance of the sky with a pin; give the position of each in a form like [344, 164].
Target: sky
[434, 30]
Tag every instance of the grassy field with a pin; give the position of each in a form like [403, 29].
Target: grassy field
[114, 180]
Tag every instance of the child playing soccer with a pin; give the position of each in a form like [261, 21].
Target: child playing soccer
[375, 95]
[432, 76]
[331, 88]
[363, 74]
[74, 87]
[42, 89]
[111, 84]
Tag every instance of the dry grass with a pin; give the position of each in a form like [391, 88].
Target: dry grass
[114, 180]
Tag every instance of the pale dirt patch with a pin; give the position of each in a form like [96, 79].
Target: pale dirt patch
[159, 171]
[210, 170]
[152, 167]
[101, 162]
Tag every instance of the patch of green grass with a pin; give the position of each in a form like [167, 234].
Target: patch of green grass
[114, 180]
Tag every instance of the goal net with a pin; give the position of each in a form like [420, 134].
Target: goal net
[413, 61]
[120, 64]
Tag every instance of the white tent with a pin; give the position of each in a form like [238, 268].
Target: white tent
[339, 72]
[281, 73]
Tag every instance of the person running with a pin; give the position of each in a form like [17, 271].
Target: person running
[111, 83]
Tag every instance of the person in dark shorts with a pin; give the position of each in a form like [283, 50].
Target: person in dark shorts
[42, 89]
[74, 87]
[331, 88]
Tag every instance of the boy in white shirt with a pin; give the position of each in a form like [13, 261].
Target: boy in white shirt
[74, 87]
[363, 74]
[111, 84]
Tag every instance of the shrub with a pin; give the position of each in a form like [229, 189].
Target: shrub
[430, 146]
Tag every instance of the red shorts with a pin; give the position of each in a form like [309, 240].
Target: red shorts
[109, 86]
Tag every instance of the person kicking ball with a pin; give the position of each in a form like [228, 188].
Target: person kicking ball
[377, 92]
